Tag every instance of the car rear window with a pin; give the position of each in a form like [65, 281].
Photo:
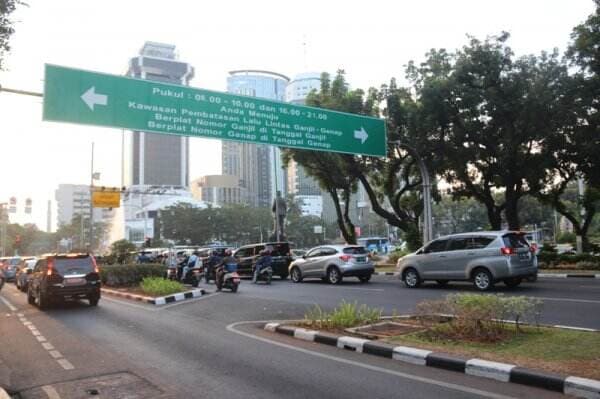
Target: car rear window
[355, 250]
[282, 249]
[515, 241]
[73, 265]
[14, 261]
[480, 242]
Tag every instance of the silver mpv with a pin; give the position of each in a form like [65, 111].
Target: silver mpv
[482, 257]
[332, 263]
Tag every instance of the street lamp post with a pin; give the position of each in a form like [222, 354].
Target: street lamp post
[427, 213]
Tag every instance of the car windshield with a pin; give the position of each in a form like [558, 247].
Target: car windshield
[355, 250]
[74, 265]
[14, 261]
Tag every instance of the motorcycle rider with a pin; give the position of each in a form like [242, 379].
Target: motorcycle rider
[227, 265]
[211, 263]
[191, 263]
[263, 261]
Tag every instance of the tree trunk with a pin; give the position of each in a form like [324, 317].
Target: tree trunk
[351, 239]
[494, 216]
[511, 210]
[340, 217]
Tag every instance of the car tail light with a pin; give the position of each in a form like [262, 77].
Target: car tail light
[507, 251]
[96, 268]
[50, 267]
[345, 258]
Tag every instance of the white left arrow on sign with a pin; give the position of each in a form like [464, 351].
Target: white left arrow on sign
[91, 98]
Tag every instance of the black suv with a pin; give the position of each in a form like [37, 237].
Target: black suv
[60, 277]
[280, 252]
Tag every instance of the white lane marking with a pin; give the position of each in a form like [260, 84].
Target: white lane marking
[8, 304]
[51, 392]
[36, 333]
[568, 300]
[20, 315]
[27, 323]
[425, 380]
[362, 289]
[55, 354]
[41, 338]
[65, 364]
[48, 346]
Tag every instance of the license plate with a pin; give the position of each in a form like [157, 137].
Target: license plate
[74, 281]
[524, 256]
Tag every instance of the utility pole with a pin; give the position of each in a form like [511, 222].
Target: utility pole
[579, 238]
[91, 237]
[3, 220]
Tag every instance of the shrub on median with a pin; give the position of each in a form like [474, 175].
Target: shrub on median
[129, 275]
[158, 286]
[476, 317]
[344, 316]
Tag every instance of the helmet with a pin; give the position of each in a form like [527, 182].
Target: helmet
[228, 252]
[265, 252]
[214, 253]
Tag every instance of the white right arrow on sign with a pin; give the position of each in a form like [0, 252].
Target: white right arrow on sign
[361, 135]
[91, 98]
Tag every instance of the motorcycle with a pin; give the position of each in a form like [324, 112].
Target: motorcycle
[265, 274]
[194, 276]
[231, 280]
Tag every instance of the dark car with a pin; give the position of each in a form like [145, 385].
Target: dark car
[9, 267]
[60, 277]
[23, 272]
[280, 253]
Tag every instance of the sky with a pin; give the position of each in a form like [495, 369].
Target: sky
[372, 41]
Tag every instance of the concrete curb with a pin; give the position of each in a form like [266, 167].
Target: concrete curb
[575, 386]
[567, 275]
[163, 300]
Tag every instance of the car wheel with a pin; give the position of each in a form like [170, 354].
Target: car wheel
[365, 279]
[482, 279]
[442, 283]
[195, 282]
[296, 275]
[333, 275]
[411, 278]
[42, 301]
[30, 298]
[93, 299]
[512, 282]
[234, 288]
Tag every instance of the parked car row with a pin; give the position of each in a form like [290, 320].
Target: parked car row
[56, 277]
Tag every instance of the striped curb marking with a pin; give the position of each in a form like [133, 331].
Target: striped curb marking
[180, 296]
[575, 386]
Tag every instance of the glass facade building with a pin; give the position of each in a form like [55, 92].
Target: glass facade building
[258, 167]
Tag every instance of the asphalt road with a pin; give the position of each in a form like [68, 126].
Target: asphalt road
[203, 349]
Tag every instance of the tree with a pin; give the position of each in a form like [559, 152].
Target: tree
[491, 115]
[330, 170]
[120, 250]
[6, 25]
[575, 151]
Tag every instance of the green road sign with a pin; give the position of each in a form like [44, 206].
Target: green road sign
[72, 95]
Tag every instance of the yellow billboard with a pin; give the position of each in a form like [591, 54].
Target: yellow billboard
[106, 199]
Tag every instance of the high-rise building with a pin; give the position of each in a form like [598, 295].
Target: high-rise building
[258, 167]
[218, 190]
[299, 87]
[300, 184]
[74, 199]
[150, 158]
